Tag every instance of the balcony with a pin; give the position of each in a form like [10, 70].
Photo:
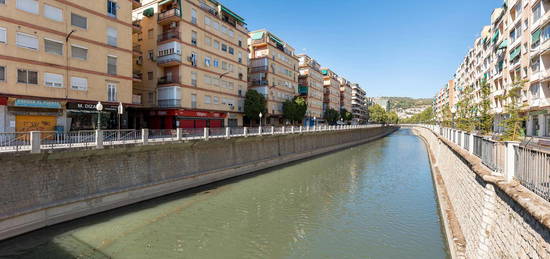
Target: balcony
[169, 60]
[169, 96]
[136, 50]
[169, 35]
[137, 76]
[168, 80]
[136, 26]
[208, 8]
[302, 89]
[136, 4]
[255, 83]
[258, 69]
[171, 15]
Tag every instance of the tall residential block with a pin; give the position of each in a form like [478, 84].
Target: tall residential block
[358, 104]
[331, 85]
[192, 71]
[311, 87]
[345, 94]
[273, 72]
[58, 59]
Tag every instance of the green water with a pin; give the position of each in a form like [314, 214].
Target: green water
[372, 201]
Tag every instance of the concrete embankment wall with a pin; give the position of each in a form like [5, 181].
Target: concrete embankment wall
[486, 217]
[38, 190]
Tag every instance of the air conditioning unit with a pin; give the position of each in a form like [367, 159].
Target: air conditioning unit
[173, 25]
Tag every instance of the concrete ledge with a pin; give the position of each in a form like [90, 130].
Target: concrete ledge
[57, 210]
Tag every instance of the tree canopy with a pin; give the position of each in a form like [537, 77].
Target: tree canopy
[332, 116]
[254, 103]
[377, 114]
[425, 117]
[295, 110]
[345, 114]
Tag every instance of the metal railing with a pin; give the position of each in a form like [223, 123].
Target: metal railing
[532, 170]
[467, 141]
[114, 137]
[17, 141]
[53, 139]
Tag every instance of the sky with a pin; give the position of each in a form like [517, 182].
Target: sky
[391, 48]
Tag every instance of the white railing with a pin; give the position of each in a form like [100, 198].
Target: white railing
[529, 165]
[48, 140]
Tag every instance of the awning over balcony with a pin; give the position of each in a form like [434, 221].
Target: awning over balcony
[515, 53]
[275, 39]
[165, 2]
[257, 35]
[503, 45]
[536, 36]
[234, 15]
[149, 12]
[495, 36]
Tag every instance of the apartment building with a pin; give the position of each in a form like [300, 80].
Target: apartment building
[58, 59]
[273, 72]
[445, 98]
[358, 104]
[511, 55]
[193, 64]
[331, 85]
[310, 87]
[345, 94]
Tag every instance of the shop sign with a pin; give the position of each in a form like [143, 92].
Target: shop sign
[89, 107]
[3, 101]
[34, 103]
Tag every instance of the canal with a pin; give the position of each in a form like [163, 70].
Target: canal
[371, 201]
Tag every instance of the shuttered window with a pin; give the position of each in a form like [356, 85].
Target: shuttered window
[112, 36]
[53, 13]
[27, 41]
[111, 92]
[79, 52]
[79, 83]
[27, 77]
[2, 73]
[53, 80]
[79, 21]
[30, 6]
[3, 35]
[53, 47]
[111, 65]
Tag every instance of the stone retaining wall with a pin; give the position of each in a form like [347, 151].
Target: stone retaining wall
[38, 190]
[494, 218]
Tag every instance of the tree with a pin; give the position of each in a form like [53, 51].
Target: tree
[465, 111]
[295, 110]
[332, 116]
[345, 114]
[378, 114]
[513, 129]
[484, 117]
[425, 117]
[254, 103]
[392, 118]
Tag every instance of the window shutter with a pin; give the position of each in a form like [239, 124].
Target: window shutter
[79, 21]
[53, 47]
[53, 13]
[27, 41]
[30, 6]
[53, 80]
[3, 35]
[2, 73]
[79, 83]
[111, 36]
[111, 65]
[79, 52]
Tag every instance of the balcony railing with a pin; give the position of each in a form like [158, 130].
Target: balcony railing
[258, 69]
[137, 76]
[208, 8]
[169, 103]
[168, 59]
[169, 14]
[169, 35]
[166, 80]
[258, 83]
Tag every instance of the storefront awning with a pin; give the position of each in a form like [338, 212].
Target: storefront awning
[257, 35]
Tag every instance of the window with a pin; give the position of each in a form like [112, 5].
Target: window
[216, 44]
[112, 36]
[224, 65]
[216, 63]
[216, 100]
[194, 38]
[231, 51]
[53, 80]
[27, 77]
[194, 79]
[193, 16]
[208, 41]
[537, 12]
[30, 6]
[150, 75]
[111, 65]
[53, 47]
[224, 47]
[207, 61]
[27, 41]
[53, 13]
[78, 83]
[240, 57]
[79, 52]
[2, 73]
[79, 21]
[150, 34]
[207, 99]
[2, 1]
[111, 92]
[193, 101]
[111, 8]
[3, 35]
[240, 41]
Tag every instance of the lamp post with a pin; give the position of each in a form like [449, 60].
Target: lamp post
[120, 112]
[99, 108]
[453, 110]
[260, 119]
[314, 121]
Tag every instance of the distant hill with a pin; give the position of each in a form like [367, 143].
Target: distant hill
[402, 103]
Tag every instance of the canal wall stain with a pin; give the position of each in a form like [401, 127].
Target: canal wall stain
[39, 190]
[495, 219]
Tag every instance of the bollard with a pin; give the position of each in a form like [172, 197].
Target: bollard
[99, 139]
[227, 132]
[35, 142]
[272, 130]
[206, 133]
[300, 129]
[245, 132]
[144, 136]
[179, 134]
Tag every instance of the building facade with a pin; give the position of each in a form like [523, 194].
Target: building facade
[311, 87]
[345, 94]
[273, 72]
[358, 104]
[58, 60]
[193, 65]
[331, 85]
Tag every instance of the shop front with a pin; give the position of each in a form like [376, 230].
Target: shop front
[83, 116]
[187, 119]
[24, 115]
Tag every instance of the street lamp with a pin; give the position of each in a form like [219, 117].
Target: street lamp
[99, 108]
[314, 121]
[260, 119]
[453, 110]
[120, 112]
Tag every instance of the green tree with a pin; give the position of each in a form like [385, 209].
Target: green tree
[392, 118]
[332, 116]
[295, 110]
[301, 108]
[484, 117]
[378, 114]
[513, 123]
[425, 117]
[254, 103]
[345, 114]
[465, 110]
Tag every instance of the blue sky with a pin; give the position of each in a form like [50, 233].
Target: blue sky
[392, 48]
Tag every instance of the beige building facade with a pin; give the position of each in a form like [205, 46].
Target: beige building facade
[311, 87]
[331, 85]
[193, 65]
[345, 94]
[58, 59]
[273, 72]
